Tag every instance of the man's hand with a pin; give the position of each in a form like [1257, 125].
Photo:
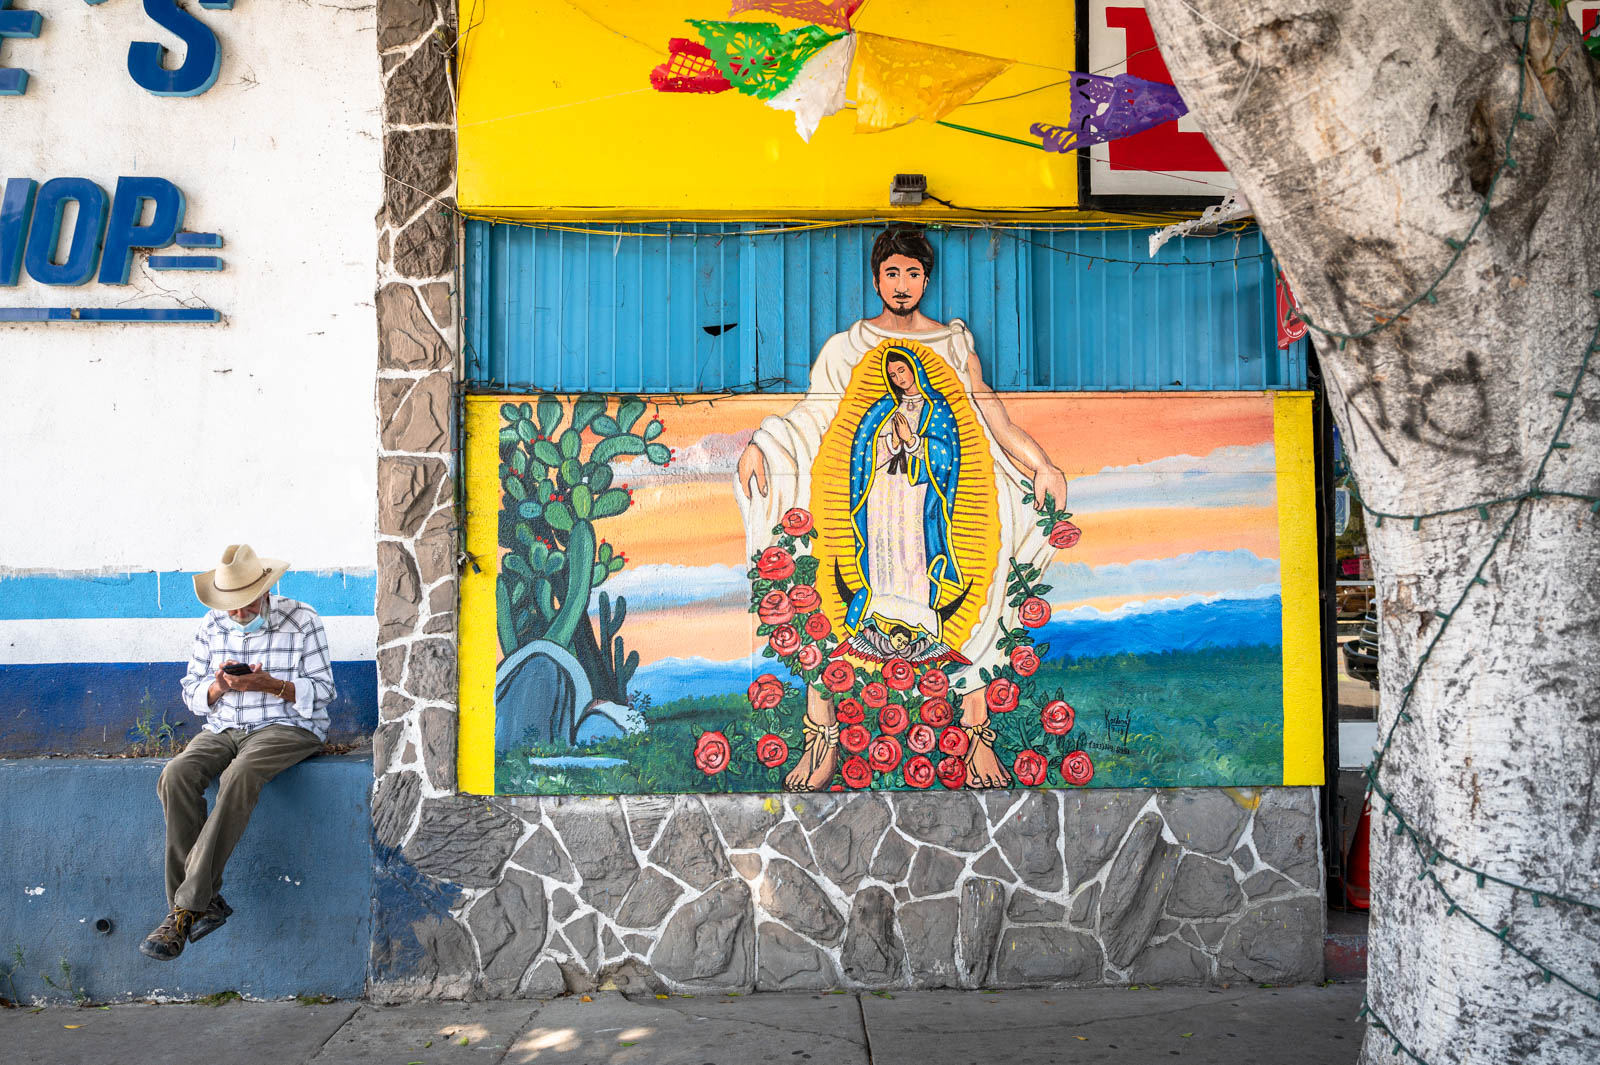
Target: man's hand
[753, 464]
[257, 680]
[1051, 482]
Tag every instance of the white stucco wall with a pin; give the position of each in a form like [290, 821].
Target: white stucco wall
[145, 446]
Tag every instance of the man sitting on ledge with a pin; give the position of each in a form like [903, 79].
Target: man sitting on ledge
[260, 676]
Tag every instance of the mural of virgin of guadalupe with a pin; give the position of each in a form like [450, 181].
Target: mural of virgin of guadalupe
[913, 471]
[905, 467]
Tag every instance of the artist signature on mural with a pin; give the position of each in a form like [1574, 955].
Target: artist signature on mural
[1114, 748]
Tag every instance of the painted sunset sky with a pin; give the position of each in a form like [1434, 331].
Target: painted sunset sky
[1175, 494]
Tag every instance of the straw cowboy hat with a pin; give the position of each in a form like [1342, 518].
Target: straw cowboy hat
[240, 580]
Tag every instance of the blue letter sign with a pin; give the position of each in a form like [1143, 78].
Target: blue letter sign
[84, 250]
[16, 207]
[200, 64]
[125, 233]
[13, 81]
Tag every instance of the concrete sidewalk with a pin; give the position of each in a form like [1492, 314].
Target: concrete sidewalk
[1261, 1026]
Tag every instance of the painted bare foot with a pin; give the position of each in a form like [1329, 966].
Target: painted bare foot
[820, 757]
[983, 764]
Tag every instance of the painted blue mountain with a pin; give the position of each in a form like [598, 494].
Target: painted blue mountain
[670, 679]
[1219, 623]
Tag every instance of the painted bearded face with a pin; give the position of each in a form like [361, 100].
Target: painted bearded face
[901, 281]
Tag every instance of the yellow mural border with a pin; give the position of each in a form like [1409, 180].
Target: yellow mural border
[475, 743]
[1297, 560]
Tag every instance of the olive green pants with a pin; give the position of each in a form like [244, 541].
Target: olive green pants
[198, 845]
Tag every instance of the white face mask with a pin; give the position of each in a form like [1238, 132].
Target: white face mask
[253, 625]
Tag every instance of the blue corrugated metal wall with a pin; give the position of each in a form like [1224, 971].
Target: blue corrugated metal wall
[710, 308]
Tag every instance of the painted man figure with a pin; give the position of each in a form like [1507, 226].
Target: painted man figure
[260, 676]
[914, 471]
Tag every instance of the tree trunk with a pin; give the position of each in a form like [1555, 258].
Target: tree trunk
[1366, 135]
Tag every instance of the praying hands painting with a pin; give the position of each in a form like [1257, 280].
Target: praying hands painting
[898, 580]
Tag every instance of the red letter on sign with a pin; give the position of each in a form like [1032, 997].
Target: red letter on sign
[1166, 147]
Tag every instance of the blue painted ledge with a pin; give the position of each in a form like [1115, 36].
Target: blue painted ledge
[80, 708]
[84, 839]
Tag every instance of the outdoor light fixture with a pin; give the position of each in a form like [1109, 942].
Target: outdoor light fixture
[908, 190]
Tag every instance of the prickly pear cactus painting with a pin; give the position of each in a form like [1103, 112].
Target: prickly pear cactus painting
[639, 626]
[558, 485]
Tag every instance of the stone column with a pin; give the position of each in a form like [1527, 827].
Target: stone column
[414, 749]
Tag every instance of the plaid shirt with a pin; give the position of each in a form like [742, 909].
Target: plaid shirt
[291, 646]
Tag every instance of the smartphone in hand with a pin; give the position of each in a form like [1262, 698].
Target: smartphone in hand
[237, 669]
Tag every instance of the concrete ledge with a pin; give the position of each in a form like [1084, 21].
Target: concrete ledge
[83, 841]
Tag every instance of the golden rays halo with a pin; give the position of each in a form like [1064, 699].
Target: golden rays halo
[974, 523]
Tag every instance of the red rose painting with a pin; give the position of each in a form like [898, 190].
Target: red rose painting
[1077, 768]
[883, 754]
[899, 674]
[775, 609]
[711, 753]
[1001, 696]
[936, 712]
[804, 598]
[1063, 534]
[918, 772]
[839, 676]
[854, 738]
[953, 741]
[1030, 767]
[774, 564]
[785, 640]
[1033, 612]
[893, 719]
[1057, 718]
[952, 772]
[1025, 660]
[766, 692]
[772, 751]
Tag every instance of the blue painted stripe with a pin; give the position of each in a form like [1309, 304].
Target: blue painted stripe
[109, 314]
[88, 708]
[200, 240]
[168, 595]
[185, 262]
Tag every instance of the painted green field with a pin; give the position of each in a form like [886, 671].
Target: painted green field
[1180, 718]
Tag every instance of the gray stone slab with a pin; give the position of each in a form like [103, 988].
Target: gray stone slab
[708, 1030]
[170, 1035]
[710, 942]
[430, 1032]
[1208, 820]
[786, 962]
[1306, 1026]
